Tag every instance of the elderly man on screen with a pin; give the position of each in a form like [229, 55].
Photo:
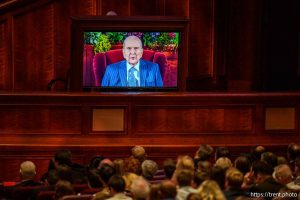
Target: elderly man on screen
[133, 71]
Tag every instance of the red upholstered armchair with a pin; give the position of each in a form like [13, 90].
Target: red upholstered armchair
[101, 60]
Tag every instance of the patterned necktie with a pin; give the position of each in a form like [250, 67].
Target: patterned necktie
[132, 81]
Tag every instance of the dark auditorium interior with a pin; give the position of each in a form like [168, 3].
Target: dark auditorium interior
[238, 81]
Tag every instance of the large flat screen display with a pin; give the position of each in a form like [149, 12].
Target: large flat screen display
[128, 53]
[108, 57]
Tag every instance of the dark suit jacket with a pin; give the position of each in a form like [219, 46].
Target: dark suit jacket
[270, 185]
[233, 193]
[28, 183]
[116, 75]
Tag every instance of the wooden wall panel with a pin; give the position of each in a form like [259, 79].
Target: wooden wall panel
[243, 40]
[201, 49]
[121, 7]
[40, 120]
[177, 8]
[145, 7]
[33, 43]
[5, 69]
[185, 120]
[64, 10]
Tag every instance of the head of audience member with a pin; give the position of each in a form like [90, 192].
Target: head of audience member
[283, 174]
[200, 177]
[169, 166]
[132, 165]
[139, 153]
[242, 163]
[282, 160]
[185, 178]
[95, 162]
[140, 189]
[149, 169]
[168, 190]
[63, 157]
[106, 171]
[256, 152]
[27, 170]
[185, 162]
[210, 190]
[293, 151]
[269, 158]
[94, 180]
[106, 161]
[64, 172]
[119, 166]
[261, 171]
[204, 166]
[132, 50]
[224, 163]
[63, 188]
[295, 184]
[116, 184]
[218, 175]
[155, 191]
[129, 178]
[222, 152]
[111, 13]
[234, 178]
[204, 153]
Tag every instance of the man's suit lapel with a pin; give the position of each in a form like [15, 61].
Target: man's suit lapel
[143, 73]
[123, 74]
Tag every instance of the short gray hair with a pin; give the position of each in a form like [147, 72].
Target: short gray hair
[149, 168]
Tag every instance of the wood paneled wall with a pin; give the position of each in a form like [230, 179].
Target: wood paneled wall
[34, 125]
[231, 43]
[37, 36]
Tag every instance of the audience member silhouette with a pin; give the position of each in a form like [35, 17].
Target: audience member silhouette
[184, 180]
[222, 152]
[117, 188]
[204, 153]
[63, 188]
[28, 173]
[149, 169]
[264, 180]
[140, 189]
[169, 166]
[233, 182]
[269, 158]
[256, 152]
[242, 163]
[293, 151]
[139, 153]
